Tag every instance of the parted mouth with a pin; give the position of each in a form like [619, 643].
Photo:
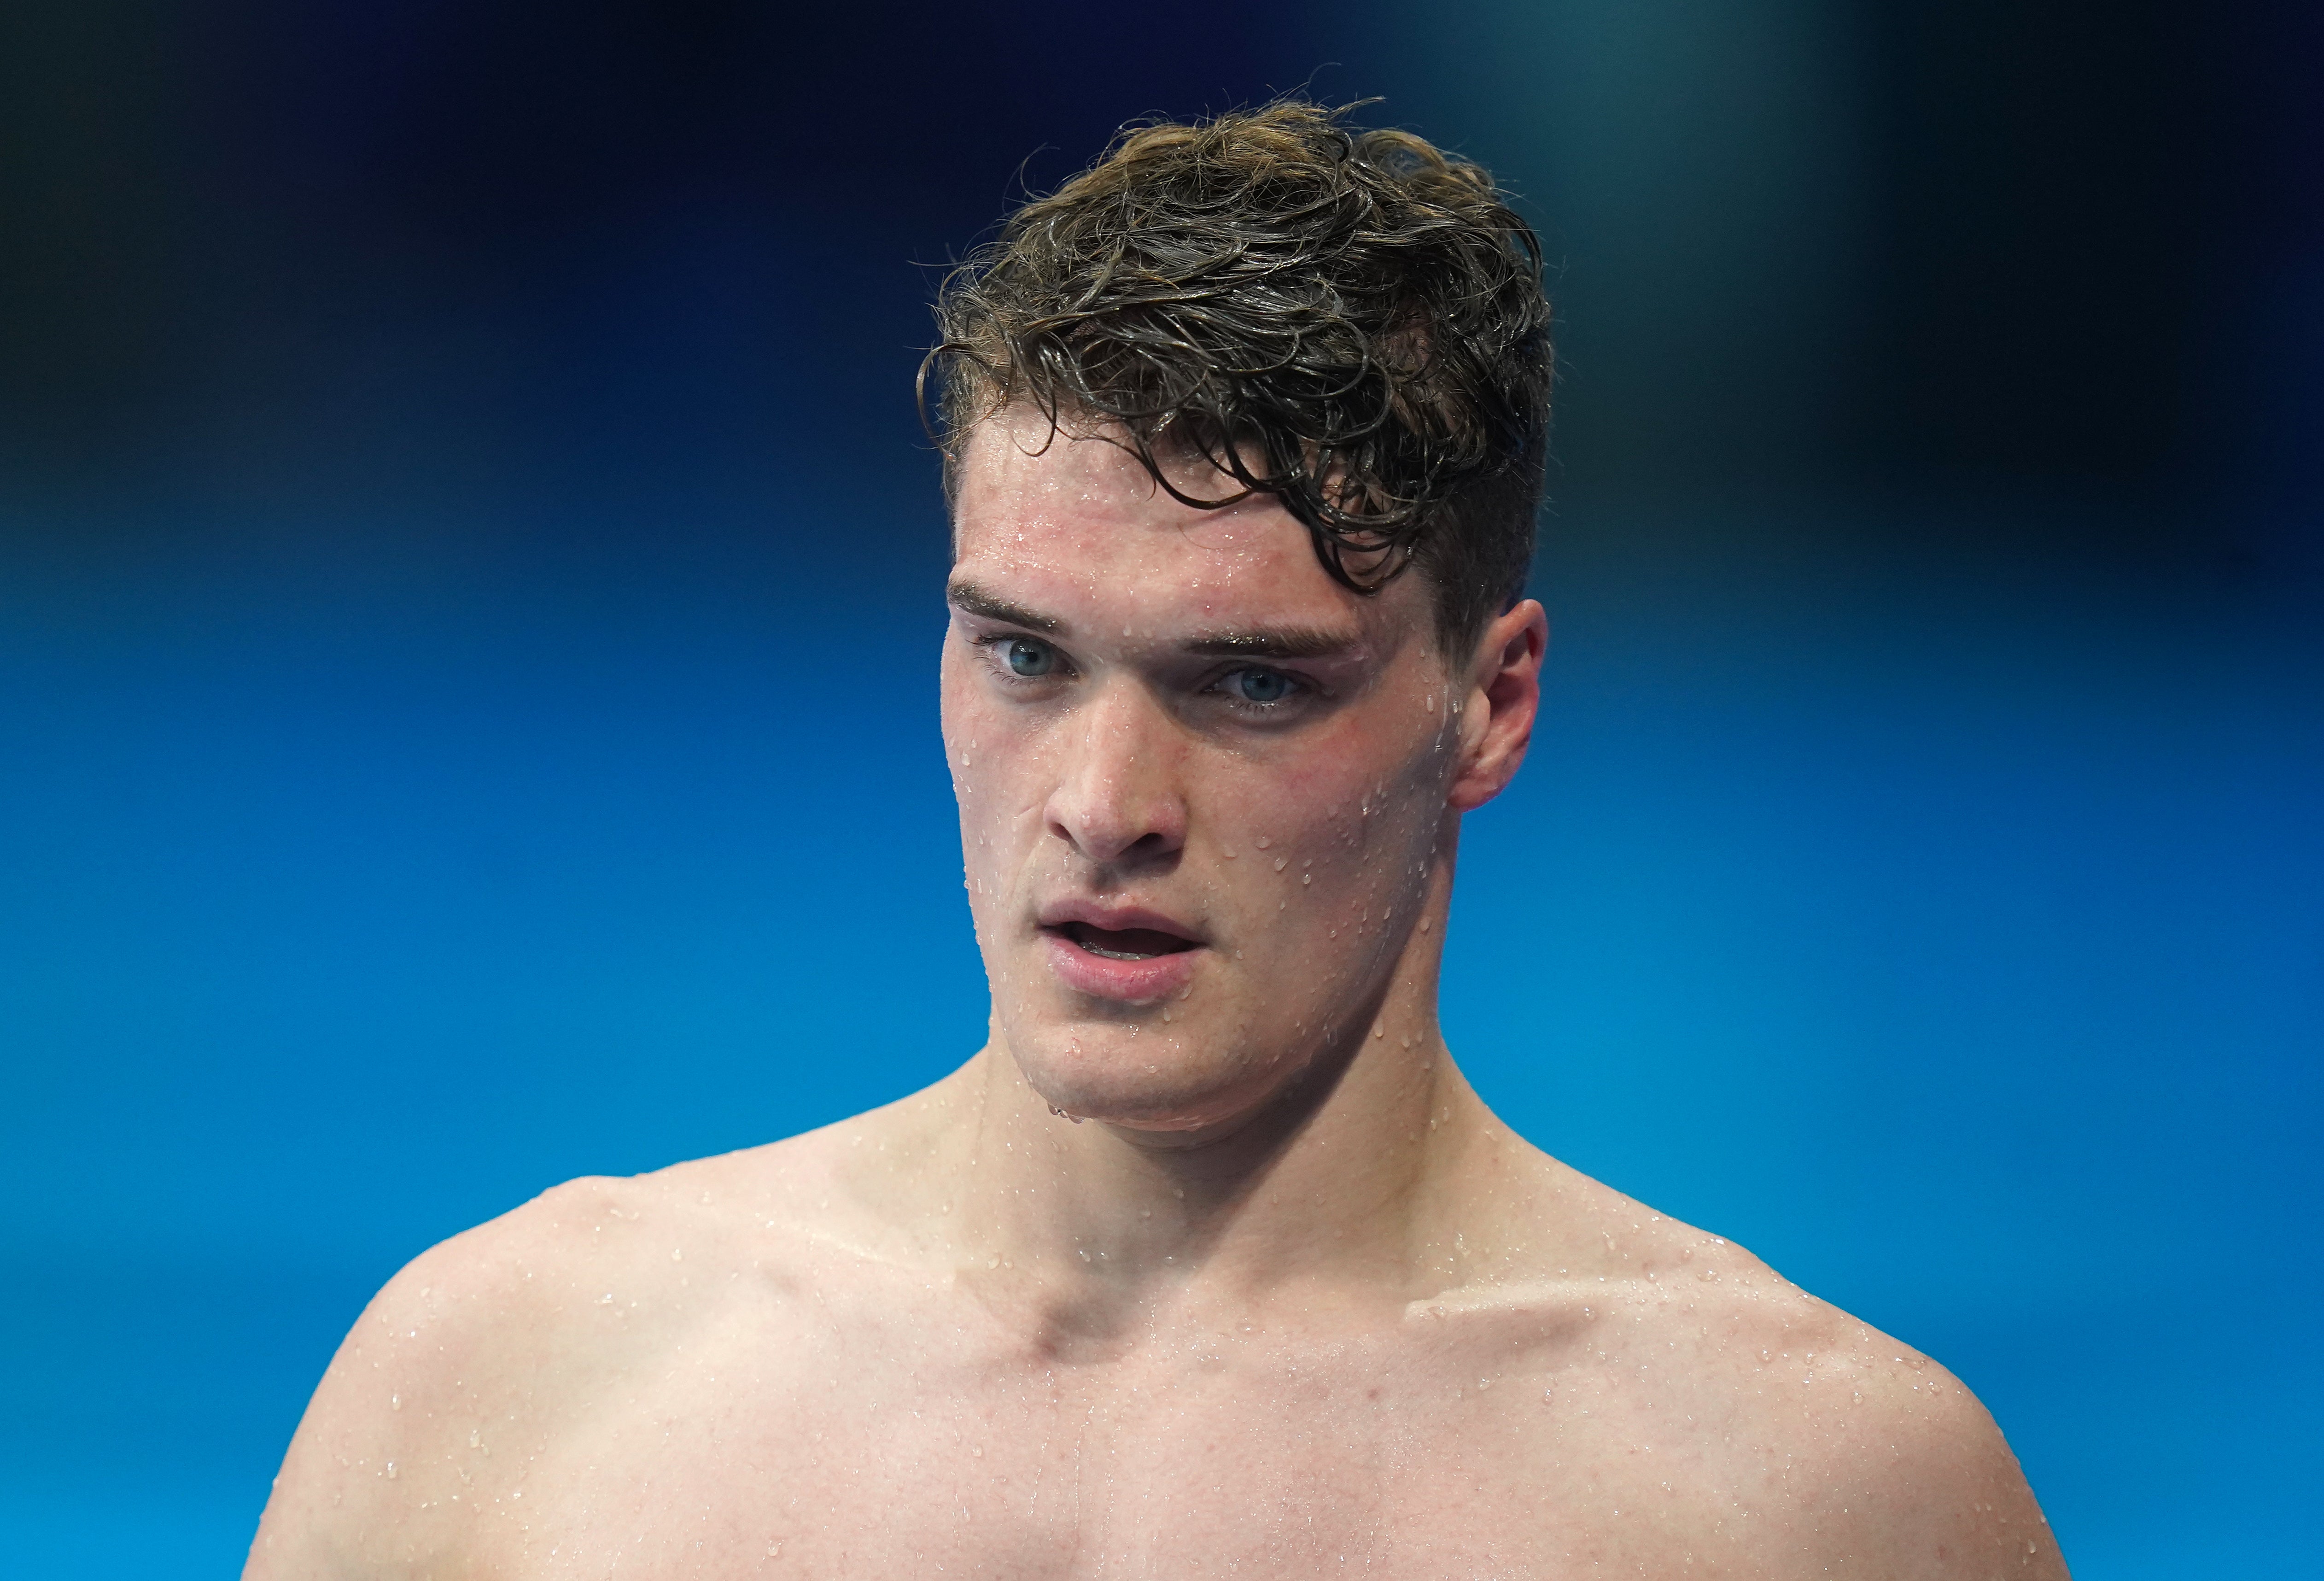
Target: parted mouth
[1122, 944]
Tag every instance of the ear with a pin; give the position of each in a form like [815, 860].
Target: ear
[1504, 694]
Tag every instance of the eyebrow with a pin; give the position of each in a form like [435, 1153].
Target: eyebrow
[1258, 643]
[970, 600]
[1275, 642]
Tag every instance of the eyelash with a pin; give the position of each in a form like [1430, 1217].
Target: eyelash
[1300, 688]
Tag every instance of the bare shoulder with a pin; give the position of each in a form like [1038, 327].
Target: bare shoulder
[1809, 1438]
[500, 1343]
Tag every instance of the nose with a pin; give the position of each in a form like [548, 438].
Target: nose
[1117, 797]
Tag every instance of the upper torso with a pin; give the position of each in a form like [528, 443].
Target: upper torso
[728, 1370]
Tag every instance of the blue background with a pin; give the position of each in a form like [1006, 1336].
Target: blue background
[469, 586]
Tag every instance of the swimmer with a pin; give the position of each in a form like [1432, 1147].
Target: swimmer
[1208, 1262]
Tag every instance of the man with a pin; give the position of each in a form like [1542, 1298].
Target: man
[1209, 1263]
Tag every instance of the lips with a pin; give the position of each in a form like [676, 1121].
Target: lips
[1128, 956]
[1125, 944]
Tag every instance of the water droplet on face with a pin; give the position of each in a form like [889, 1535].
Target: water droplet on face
[1278, 865]
[1228, 852]
[391, 1471]
[1263, 842]
[1307, 878]
[676, 1255]
[476, 1439]
[992, 1262]
[395, 1402]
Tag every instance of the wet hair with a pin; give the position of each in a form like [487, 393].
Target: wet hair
[1350, 320]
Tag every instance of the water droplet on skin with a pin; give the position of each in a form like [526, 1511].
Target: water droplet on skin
[1179, 1192]
[1278, 865]
[1307, 878]
[1228, 852]
[391, 1471]
[395, 1402]
[676, 1255]
[1378, 1031]
[992, 1262]
[1166, 1013]
[1263, 842]
[476, 1439]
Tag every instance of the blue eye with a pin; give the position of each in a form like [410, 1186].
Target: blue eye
[1259, 686]
[1028, 658]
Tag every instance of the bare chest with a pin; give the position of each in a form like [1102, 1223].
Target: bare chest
[1206, 1460]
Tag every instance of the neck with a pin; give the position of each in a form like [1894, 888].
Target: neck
[1346, 1179]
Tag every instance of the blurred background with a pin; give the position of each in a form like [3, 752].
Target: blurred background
[469, 584]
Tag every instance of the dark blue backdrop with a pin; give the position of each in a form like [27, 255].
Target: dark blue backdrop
[469, 584]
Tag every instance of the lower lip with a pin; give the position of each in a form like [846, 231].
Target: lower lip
[1132, 982]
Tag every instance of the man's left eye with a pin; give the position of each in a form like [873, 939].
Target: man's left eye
[1259, 686]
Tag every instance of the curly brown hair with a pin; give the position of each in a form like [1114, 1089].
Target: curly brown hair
[1350, 320]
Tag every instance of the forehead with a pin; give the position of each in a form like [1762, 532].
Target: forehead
[1076, 521]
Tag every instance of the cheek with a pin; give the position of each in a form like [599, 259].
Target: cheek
[1354, 838]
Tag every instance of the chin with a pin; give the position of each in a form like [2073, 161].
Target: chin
[1145, 1078]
